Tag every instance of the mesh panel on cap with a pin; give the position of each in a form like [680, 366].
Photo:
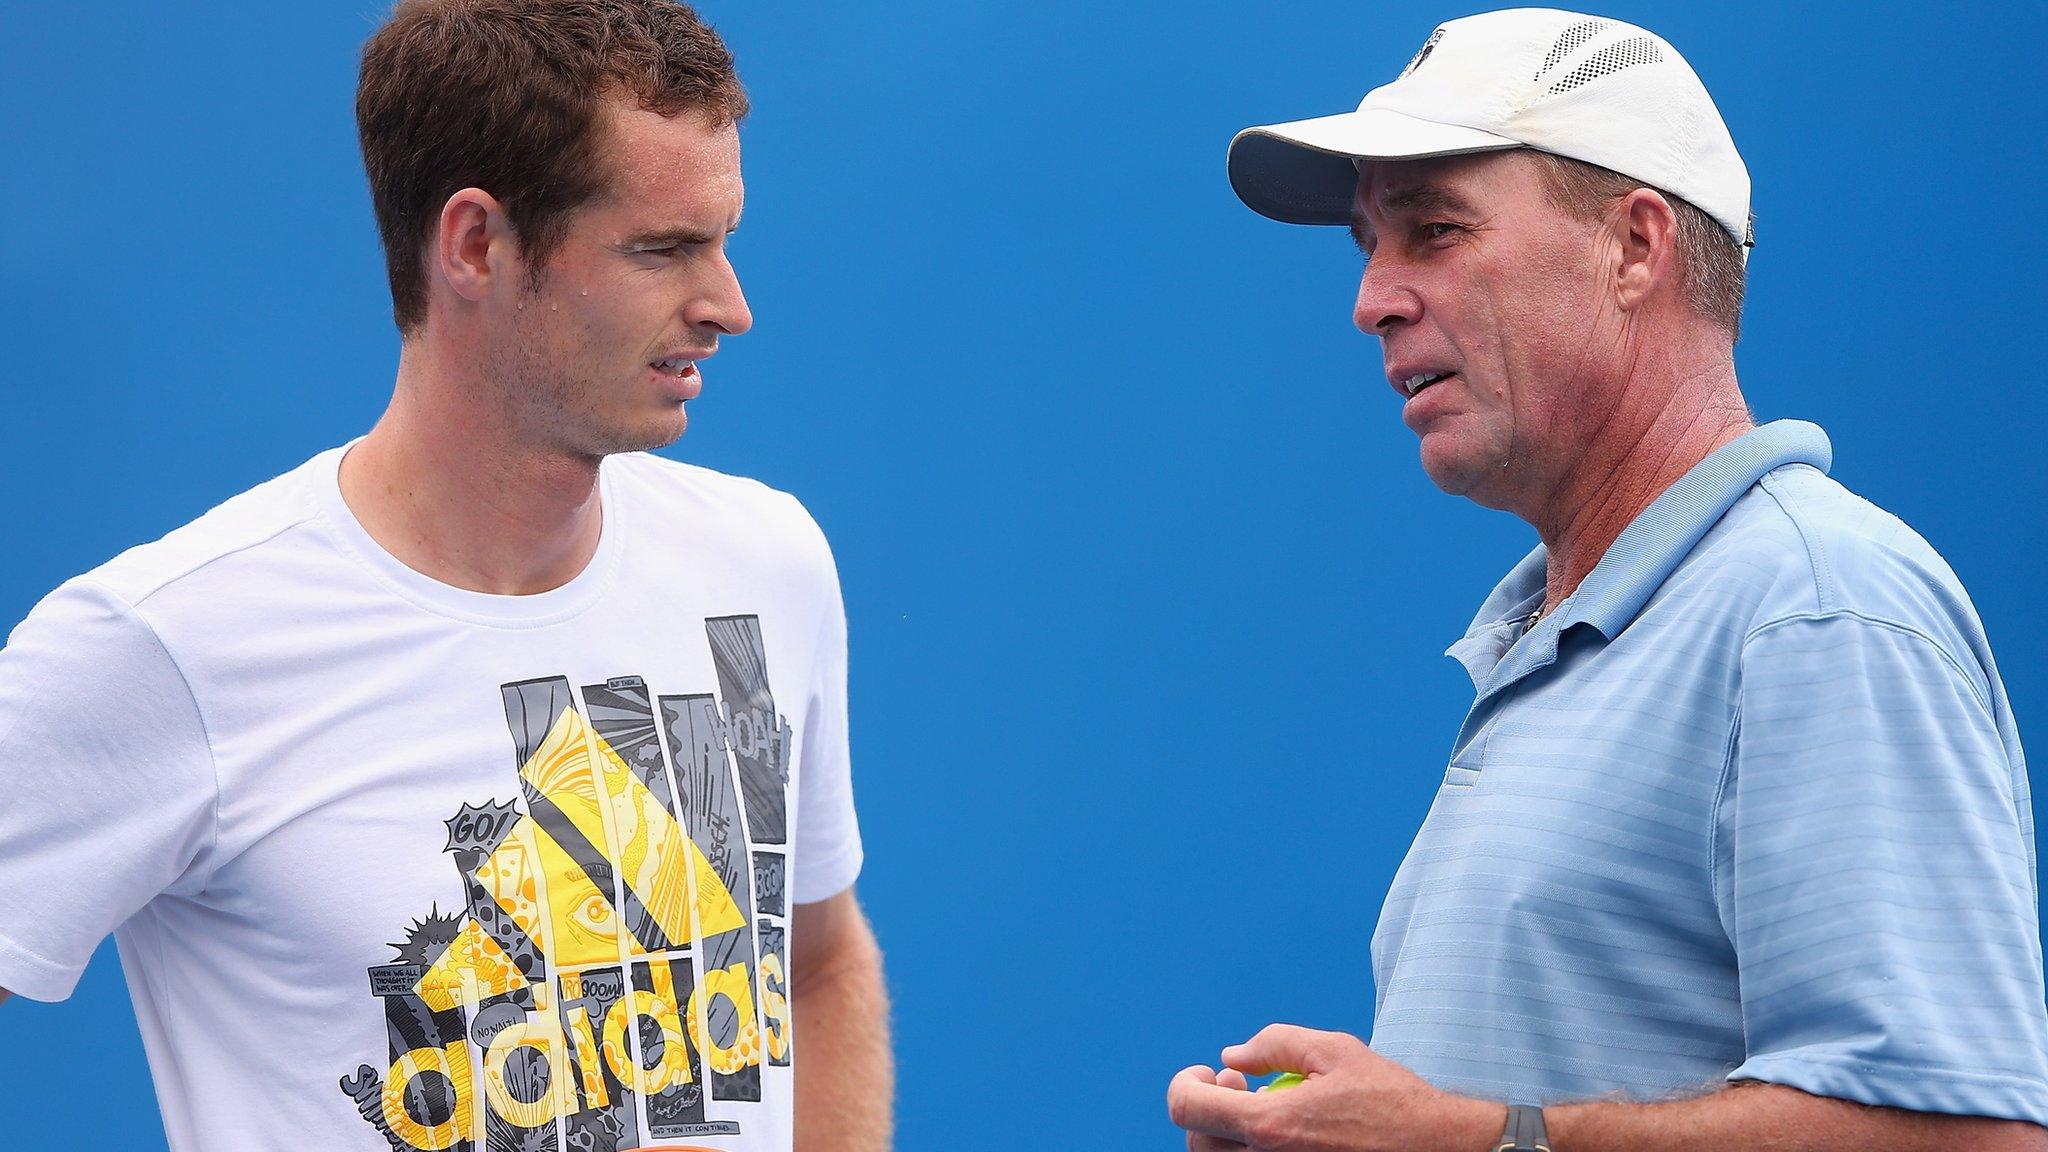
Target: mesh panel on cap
[1569, 42]
[1609, 60]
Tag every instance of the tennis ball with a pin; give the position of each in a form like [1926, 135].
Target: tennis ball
[1284, 1080]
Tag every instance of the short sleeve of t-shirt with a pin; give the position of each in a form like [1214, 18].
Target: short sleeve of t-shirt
[1872, 872]
[107, 793]
[828, 845]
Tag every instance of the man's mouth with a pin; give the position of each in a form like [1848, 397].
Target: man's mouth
[1421, 380]
[677, 366]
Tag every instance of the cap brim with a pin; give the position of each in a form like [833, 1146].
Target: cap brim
[1306, 171]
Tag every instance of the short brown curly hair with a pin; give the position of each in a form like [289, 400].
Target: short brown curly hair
[508, 96]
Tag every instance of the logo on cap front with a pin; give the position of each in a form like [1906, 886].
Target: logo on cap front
[1428, 46]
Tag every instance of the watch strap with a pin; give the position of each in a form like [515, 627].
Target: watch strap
[1525, 1132]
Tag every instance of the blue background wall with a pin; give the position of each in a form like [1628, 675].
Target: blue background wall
[1147, 588]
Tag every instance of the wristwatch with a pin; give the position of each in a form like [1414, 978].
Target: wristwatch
[1524, 1131]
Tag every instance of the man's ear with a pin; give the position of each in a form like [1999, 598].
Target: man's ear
[474, 250]
[1646, 228]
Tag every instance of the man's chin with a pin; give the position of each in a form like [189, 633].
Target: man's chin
[1458, 470]
[1447, 465]
[641, 436]
[659, 437]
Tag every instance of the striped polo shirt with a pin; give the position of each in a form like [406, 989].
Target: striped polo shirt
[1749, 805]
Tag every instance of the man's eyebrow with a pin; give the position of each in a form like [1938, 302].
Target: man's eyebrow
[1419, 199]
[1424, 199]
[680, 235]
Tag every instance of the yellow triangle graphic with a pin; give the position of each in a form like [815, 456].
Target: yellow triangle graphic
[583, 776]
[716, 910]
[649, 842]
[551, 898]
[560, 770]
[475, 952]
[587, 929]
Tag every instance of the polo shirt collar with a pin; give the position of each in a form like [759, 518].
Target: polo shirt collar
[1646, 553]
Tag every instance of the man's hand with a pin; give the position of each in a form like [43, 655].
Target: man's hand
[1202, 1141]
[1354, 1100]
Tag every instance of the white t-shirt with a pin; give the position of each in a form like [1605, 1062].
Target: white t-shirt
[395, 865]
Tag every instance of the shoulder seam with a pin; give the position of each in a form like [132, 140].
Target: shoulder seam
[1818, 563]
[1891, 625]
[205, 728]
[197, 566]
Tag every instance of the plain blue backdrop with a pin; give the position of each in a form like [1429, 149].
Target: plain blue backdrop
[1148, 592]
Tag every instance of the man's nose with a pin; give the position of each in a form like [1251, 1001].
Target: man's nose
[723, 305]
[1383, 299]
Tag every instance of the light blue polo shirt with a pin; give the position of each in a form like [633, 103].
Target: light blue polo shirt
[1749, 805]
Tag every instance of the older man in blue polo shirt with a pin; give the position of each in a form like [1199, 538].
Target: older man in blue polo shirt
[1734, 849]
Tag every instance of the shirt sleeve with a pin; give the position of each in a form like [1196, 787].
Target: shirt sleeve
[107, 791]
[828, 845]
[1872, 870]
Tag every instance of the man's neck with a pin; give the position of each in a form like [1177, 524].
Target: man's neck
[1637, 457]
[443, 485]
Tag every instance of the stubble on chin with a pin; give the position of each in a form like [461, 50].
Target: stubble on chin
[554, 411]
[579, 419]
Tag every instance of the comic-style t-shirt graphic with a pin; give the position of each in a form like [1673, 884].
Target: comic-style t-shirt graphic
[622, 946]
[446, 871]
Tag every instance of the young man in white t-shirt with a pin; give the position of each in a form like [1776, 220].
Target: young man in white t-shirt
[481, 784]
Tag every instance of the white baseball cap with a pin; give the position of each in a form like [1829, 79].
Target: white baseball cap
[1585, 87]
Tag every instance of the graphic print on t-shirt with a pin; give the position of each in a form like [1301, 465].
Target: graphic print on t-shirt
[620, 970]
